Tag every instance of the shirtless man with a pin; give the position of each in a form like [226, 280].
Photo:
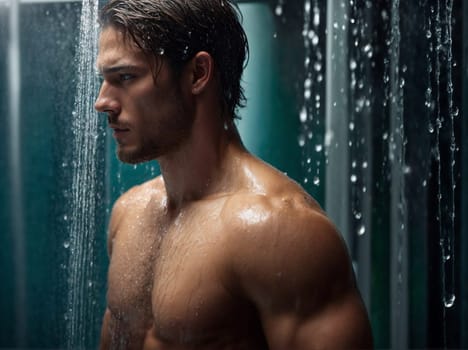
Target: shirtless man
[222, 251]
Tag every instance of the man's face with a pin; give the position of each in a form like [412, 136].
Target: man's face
[150, 116]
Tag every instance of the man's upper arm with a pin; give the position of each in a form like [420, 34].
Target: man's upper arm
[295, 269]
[118, 211]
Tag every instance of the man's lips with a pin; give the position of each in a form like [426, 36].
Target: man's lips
[116, 127]
[119, 130]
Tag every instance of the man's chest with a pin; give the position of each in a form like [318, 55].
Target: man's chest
[179, 282]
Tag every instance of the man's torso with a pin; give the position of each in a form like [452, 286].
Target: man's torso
[170, 282]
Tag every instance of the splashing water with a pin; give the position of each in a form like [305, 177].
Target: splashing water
[83, 202]
[310, 112]
[397, 142]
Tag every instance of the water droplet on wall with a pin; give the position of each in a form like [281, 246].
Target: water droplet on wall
[301, 140]
[279, 10]
[361, 230]
[449, 300]
[303, 115]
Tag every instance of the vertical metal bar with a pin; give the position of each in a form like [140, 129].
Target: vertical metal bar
[17, 216]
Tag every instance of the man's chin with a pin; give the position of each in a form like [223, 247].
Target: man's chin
[133, 158]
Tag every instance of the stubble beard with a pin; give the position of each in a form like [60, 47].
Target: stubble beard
[178, 131]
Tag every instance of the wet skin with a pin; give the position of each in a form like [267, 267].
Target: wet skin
[222, 251]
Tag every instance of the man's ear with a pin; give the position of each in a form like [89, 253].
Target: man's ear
[202, 71]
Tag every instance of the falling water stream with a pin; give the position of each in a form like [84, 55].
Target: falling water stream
[83, 200]
[310, 111]
[349, 61]
[440, 61]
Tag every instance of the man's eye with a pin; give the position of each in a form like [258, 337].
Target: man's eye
[125, 77]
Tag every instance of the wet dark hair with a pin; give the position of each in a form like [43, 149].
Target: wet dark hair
[179, 29]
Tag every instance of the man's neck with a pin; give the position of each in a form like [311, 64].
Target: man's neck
[200, 167]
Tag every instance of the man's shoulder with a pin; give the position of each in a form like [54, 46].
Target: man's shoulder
[140, 195]
[150, 194]
[287, 227]
[287, 205]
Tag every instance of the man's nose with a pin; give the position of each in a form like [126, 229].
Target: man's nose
[106, 102]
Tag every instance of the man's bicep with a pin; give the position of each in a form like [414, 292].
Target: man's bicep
[340, 324]
[118, 210]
